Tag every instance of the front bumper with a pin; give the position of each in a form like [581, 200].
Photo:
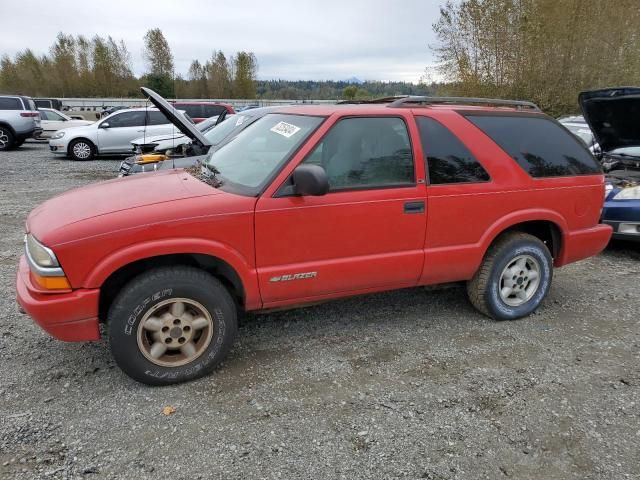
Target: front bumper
[71, 316]
[624, 218]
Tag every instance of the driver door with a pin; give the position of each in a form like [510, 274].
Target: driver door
[366, 234]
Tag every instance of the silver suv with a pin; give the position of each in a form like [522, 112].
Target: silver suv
[19, 120]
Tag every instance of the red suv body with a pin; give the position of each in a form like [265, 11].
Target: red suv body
[306, 205]
[199, 111]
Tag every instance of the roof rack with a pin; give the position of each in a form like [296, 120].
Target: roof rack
[464, 101]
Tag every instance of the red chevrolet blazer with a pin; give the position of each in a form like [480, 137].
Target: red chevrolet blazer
[309, 204]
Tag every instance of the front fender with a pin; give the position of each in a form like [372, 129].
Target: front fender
[140, 251]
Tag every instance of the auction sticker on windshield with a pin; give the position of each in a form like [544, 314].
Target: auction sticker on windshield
[285, 129]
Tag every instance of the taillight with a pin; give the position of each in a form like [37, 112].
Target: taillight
[30, 114]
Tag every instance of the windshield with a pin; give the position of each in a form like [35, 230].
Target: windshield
[250, 158]
[220, 132]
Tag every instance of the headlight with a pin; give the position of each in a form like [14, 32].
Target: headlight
[39, 254]
[57, 135]
[631, 193]
[607, 189]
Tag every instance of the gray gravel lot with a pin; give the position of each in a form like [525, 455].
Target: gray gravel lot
[406, 384]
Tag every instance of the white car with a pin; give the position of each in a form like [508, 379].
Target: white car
[111, 135]
[53, 120]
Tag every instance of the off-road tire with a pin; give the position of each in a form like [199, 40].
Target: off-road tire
[483, 288]
[7, 140]
[147, 292]
[90, 149]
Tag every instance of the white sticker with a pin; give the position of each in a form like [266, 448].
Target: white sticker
[285, 129]
[240, 120]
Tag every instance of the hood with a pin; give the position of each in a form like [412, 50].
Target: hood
[174, 117]
[612, 115]
[53, 221]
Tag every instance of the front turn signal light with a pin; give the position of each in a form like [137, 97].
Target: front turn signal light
[51, 283]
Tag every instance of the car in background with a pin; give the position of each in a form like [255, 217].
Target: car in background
[201, 145]
[53, 120]
[111, 135]
[200, 111]
[48, 103]
[577, 125]
[612, 114]
[19, 120]
[106, 111]
[159, 144]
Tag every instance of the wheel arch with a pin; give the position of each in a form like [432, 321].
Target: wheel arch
[215, 266]
[223, 262]
[546, 225]
[72, 141]
[8, 126]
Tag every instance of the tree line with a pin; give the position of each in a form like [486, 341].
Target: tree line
[101, 67]
[541, 50]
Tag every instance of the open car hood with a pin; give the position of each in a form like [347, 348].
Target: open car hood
[174, 117]
[613, 115]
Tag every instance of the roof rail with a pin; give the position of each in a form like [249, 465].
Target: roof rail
[464, 101]
[371, 101]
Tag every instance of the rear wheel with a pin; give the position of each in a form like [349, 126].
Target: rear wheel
[171, 325]
[82, 149]
[6, 139]
[514, 277]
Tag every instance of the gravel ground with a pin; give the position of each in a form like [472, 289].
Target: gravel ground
[407, 384]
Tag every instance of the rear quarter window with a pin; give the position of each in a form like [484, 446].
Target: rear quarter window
[541, 146]
[447, 159]
[10, 103]
[194, 111]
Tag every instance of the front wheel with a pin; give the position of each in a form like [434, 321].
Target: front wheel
[514, 277]
[171, 325]
[82, 149]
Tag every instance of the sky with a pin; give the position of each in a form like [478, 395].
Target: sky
[293, 40]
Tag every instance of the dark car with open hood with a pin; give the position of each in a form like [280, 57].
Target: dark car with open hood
[613, 114]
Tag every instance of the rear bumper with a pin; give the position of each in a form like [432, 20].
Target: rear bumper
[581, 244]
[71, 316]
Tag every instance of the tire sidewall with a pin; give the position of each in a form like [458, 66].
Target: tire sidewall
[124, 321]
[91, 147]
[495, 304]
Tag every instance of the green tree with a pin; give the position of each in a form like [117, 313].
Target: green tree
[245, 67]
[350, 92]
[158, 53]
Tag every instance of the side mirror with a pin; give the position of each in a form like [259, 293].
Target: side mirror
[104, 125]
[310, 180]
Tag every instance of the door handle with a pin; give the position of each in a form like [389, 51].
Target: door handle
[414, 207]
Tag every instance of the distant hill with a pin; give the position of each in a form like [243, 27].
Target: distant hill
[333, 90]
[355, 80]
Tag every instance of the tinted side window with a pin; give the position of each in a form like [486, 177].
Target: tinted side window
[366, 152]
[194, 111]
[10, 103]
[157, 118]
[446, 157]
[539, 145]
[127, 119]
[212, 110]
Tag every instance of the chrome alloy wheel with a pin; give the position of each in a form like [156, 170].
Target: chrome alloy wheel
[4, 139]
[81, 150]
[519, 280]
[175, 332]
